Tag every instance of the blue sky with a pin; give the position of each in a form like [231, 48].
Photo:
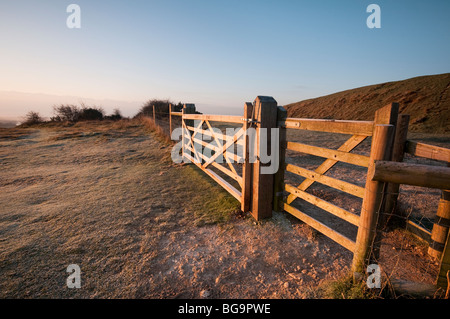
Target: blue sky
[216, 54]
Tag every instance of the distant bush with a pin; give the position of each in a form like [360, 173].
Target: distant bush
[33, 118]
[73, 113]
[91, 114]
[116, 116]
[161, 107]
[68, 113]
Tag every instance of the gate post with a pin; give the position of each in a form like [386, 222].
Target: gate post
[171, 109]
[279, 176]
[400, 138]
[265, 111]
[372, 216]
[372, 202]
[387, 115]
[187, 109]
[247, 166]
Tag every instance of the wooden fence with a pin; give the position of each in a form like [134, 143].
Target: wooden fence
[425, 176]
[385, 170]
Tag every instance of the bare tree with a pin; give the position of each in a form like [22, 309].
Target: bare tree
[33, 118]
[67, 112]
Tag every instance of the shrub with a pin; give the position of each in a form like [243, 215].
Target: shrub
[161, 106]
[73, 113]
[33, 118]
[63, 112]
[91, 114]
[116, 116]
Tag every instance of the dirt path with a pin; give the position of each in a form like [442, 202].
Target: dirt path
[108, 198]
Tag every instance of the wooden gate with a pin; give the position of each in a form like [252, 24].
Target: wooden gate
[196, 149]
[382, 132]
[251, 188]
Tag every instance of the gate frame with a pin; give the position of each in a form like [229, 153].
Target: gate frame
[382, 129]
[256, 189]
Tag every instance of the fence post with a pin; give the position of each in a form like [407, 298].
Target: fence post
[265, 110]
[441, 226]
[401, 132]
[443, 278]
[247, 166]
[279, 176]
[170, 120]
[187, 109]
[154, 115]
[365, 248]
[386, 115]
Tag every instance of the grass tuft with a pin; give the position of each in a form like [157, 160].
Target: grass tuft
[346, 288]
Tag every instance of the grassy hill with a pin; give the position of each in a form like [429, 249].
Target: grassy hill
[426, 99]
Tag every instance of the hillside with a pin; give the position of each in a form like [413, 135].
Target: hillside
[426, 99]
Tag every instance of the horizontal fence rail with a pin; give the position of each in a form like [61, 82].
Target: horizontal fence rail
[331, 126]
[215, 118]
[428, 151]
[343, 186]
[337, 155]
[210, 134]
[412, 174]
[324, 229]
[333, 209]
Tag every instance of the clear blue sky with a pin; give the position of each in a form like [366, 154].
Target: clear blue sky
[217, 54]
